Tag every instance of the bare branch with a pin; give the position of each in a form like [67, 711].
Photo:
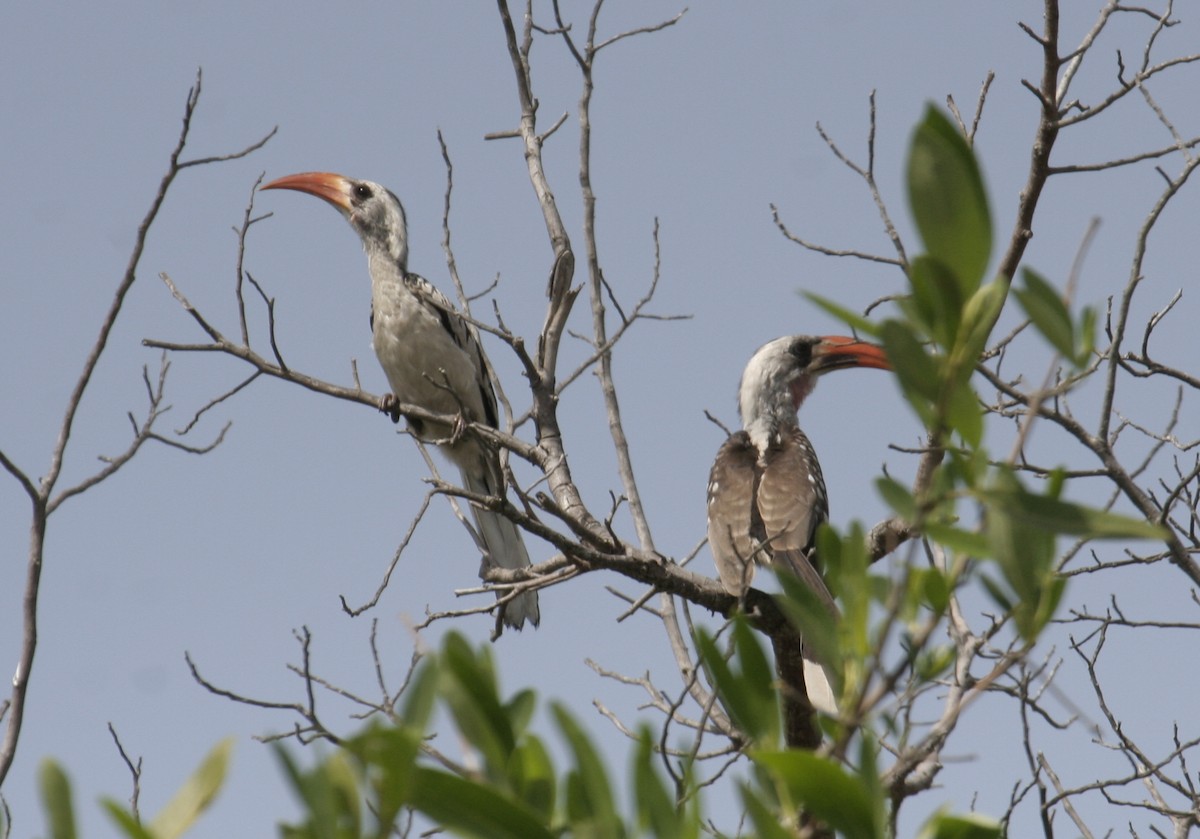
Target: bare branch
[42, 496]
[135, 770]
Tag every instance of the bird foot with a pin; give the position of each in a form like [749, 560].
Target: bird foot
[390, 405]
[458, 428]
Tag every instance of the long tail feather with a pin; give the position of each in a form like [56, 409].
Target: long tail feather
[504, 547]
[816, 675]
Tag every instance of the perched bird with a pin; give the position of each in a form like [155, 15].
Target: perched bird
[432, 359]
[766, 495]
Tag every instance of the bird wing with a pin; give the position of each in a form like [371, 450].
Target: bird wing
[791, 504]
[466, 336]
[731, 526]
[501, 540]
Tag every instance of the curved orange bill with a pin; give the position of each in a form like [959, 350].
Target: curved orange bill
[836, 352]
[325, 185]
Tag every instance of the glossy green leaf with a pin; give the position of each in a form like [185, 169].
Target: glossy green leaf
[964, 542]
[979, 317]
[468, 686]
[655, 803]
[55, 790]
[389, 757]
[806, 611]
[330, 795]
[1065, 517]
[867, 774]
[473, 809]
[1085, 345]
[933, 662]
[948, 200]
[420, 696]
[917, 371]
[751, 703]
[937, 299]
[519, 710]
[130, 827]
[855, 321]
[934, 587]
[963, 412]
[195, 795]
[532, 776]
[589, 794]
[756, 666]
[766, 821]
[1045, 308]
[820, 787]
[846, 569]
[954, 826]
[898, 496]
[997, 592]
[1025, 552]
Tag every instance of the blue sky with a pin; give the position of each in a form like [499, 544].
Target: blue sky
[702, 126]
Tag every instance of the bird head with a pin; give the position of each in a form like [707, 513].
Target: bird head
[374, 212]
[783, 372]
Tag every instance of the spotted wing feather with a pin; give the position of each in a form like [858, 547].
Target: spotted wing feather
[731, 516]
[792, 503]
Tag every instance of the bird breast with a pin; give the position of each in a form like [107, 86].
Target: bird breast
[423, 363]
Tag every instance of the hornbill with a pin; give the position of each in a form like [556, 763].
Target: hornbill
[432, 359]
[766, 495]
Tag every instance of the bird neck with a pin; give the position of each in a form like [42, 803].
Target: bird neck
[773, 412]
[386, 263]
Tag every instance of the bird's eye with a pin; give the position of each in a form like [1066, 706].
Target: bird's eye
[801, 351]
[362, 192]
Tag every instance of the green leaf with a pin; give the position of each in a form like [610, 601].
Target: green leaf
[468, 686]
[963, 412]
[937, 299]
[751, 703]
[766, 820]
[965, 542]
[821, 787]
[898, 497]
[389, 756]
[1086, 343]
[918, 372]
[56, 800]
[1046, 309]
[806, 611]
[473, 809]
[420, 696]
[589, 795]
[855, 321]
[330, 794]
[979, 317]
[997, 592]
[933, 662]
[655, 803]
[844, 564]
[130, 826]
[948, 200]
[1024, 550]
[532, 776]
[934, 587]
[972, 826]
[1056, 516]
[195, 795]
[519, 710]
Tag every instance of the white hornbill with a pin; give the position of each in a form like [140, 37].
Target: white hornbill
[766, 495]
[432, 359]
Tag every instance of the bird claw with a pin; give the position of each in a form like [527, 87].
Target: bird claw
[390, 405]
[457, 429]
